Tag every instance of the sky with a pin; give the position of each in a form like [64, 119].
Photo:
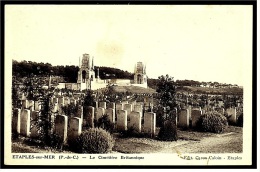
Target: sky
[196, 42]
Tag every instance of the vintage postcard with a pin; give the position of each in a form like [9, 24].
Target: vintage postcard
[153, 85]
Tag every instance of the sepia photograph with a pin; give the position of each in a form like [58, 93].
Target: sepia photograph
[128, 85]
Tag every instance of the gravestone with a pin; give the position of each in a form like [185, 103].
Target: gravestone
[135, 121]
[195, 115]
[149, 123]
[174, 116]
[133, 102]
[103, 105]
[55, 108]
[233, 115]
[34, 129]
[79, 113]
[25, 104]
[61, 126]
[124, 102]
[111, 105]
[189, 109]
[55, 100]
[31, 105]
[75, 128]
[61, 100]
[100, 112]
[95, 104]
[139, 103]
[66, 101]
[138, 108]
[89, 116]
[128, 108]
[37, 106]
[16, 120]
[25, 122]
[119, 106]
[111, 114]
[184, 121]
[53, 117]
[121, 120]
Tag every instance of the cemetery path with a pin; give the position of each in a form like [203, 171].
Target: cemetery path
[219, 143]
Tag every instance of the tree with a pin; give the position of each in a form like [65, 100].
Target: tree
[167, 100]
[167, 91]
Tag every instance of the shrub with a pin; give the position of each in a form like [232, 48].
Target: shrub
[105, 123]
[55, 141]
[240, 120]
[132, 132]
[168, 132]
[95, 140]
[212, 122]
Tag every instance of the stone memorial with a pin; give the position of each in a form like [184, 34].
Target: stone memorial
[184, 121]
[75, 128]
[111, 114]
[61, 126]
[25, 122]
[149, 123]
[121, 124]
[16, 120]
[195, 115]
[135, 121]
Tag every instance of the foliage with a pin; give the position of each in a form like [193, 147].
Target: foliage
[95, 140]
[55, 141]
[111, 73]
[70, 109]
[240, 120]
[69, 73]
[110, 94]
[89, 99]
[212, 121]
[168, 132]
[105, 124]
[132, 132]
[166, 90]
[15, 97]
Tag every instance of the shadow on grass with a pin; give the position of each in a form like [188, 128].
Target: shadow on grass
[126, 146]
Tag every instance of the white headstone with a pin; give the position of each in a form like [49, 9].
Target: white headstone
[149, 123]
[100, 112]
[25, 122]
[121, 120]
[16, 120]
[111, 114]
[195, 115]
[61, 126]
[135, 120]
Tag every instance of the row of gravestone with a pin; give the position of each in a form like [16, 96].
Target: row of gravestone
[63, 101]
[183, 118]
[24, 120]
[193, 115]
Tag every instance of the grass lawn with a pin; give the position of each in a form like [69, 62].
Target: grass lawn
[189, 142]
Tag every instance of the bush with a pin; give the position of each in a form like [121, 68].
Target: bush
[95, 140]
[105, 123]
[240, 120]
[55, 141]
[132, 132]
[168, 132]
[212, 122]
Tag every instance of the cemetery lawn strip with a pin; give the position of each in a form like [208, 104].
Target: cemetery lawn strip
[231, 141]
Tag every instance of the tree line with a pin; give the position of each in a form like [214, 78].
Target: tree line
[70, 73]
